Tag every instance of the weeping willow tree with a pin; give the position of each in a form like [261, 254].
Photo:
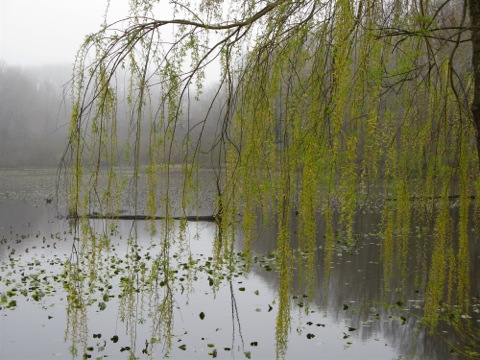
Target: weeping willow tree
[325, 106]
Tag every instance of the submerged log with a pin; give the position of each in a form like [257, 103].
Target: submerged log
[209, 218]
[450, 197]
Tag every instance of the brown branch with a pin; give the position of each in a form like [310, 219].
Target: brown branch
[201, 25]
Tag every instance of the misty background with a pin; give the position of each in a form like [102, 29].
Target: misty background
[33, 114]
[35, 108]
[38, 43]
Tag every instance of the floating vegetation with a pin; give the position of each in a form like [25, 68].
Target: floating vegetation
[124, 282]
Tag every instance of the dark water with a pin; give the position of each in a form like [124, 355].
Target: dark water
[346, 319]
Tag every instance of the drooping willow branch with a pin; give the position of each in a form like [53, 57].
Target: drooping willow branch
[319, 103]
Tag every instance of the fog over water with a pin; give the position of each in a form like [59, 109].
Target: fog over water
[38, 43]
[36, 64]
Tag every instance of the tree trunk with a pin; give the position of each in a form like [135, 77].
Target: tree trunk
[474, 11]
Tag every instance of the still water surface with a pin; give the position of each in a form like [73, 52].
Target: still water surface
[346, 319]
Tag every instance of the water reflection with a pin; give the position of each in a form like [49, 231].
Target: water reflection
[239, 316]
[120, 301]
[356, 293]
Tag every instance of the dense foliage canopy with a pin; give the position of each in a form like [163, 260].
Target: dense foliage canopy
[320, 109]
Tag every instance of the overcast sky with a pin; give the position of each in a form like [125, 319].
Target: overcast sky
[49, 31]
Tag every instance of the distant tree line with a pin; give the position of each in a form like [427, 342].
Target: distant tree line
[35, 111]
[33, 114]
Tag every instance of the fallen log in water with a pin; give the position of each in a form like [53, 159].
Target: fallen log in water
[209, 218]
[450, 197]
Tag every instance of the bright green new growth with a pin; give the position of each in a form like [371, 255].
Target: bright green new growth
[325, 107]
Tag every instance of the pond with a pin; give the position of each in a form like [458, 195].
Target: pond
[61, 299]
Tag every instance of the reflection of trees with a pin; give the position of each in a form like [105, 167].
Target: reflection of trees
[77, 324]
[235, 318]
[145, 280]
[357, 277]
[467, 331]
[357, 281]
